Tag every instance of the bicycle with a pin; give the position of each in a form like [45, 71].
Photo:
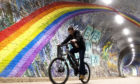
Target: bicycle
[59, 69]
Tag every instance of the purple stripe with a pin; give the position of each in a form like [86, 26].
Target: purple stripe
[29, 53]
[35, 50]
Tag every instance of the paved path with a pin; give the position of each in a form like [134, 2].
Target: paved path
[129, 80]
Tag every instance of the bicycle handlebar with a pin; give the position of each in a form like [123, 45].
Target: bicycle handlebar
[65, 44]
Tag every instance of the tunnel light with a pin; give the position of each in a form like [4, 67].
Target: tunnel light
[130, 39]
[133, 50]
[126, 31]
[107, 1]
[119, 19]
[131, 45]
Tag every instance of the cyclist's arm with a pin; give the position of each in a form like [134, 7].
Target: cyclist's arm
[66, 40]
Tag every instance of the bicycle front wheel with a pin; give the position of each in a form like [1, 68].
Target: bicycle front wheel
[58, 71]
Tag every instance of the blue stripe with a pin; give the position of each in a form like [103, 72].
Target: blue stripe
[18, 57]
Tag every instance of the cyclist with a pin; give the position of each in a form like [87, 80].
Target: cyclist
[78, 45]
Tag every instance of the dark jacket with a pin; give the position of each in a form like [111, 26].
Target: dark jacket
[78, 37]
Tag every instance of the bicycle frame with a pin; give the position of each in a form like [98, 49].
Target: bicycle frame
[61, 55]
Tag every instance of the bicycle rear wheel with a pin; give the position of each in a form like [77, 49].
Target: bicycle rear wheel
[87, 76]
[58, 71]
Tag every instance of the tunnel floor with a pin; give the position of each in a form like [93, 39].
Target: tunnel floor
[127, 80]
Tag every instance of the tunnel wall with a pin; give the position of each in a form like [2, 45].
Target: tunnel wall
[102, 61]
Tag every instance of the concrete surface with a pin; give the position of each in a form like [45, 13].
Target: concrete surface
[128, 80]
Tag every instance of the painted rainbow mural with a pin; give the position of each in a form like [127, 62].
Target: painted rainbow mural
[21, 42]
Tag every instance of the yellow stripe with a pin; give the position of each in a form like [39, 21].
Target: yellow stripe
[12, 49]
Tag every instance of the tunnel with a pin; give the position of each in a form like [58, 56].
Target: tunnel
[31, 29]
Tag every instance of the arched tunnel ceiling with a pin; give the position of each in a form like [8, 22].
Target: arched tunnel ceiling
[130, 7]
[106, 21]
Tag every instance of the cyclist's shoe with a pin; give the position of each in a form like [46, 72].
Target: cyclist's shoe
[82, 77]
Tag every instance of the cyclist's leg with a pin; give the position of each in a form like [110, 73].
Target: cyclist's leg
[72, 62]
[73, 51]
[82, 66]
